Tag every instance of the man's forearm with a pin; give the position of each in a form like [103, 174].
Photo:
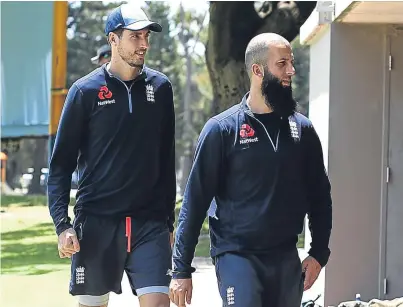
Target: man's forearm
[320, 225]
[188, 231]
[321, 254]
[59, 197]
[63, 161]
[320, 213]
[63, 225]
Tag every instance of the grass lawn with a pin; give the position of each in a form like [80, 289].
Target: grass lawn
[32, 274]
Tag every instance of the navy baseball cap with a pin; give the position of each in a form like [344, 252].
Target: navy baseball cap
[129, 17]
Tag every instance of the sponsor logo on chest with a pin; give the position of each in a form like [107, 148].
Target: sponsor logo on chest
[247, 135]
[105, 96]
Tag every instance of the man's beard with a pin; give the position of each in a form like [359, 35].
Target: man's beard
[278, 97]
[130, 59]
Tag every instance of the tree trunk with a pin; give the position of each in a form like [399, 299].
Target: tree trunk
[232, 25]
[186, 159]
[187, 119]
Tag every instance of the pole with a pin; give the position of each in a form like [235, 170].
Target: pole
[59, 68]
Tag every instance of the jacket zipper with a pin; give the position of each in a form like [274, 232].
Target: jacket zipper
[275, 147]
[129, 90]
[129, 93]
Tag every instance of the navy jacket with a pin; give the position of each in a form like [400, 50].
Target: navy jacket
[261, 196]
[122, 141]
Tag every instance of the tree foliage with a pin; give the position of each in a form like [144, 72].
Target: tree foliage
[232, 25]
[85, 34]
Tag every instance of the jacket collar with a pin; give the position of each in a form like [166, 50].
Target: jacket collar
[244, 105]
[141, 76]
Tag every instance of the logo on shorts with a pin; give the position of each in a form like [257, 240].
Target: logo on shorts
[230, 296]
[80, 275]
[247, 133]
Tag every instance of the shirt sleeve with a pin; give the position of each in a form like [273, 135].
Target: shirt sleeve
[200, 190]
[168, 158]
[319, 193]
[63, 161]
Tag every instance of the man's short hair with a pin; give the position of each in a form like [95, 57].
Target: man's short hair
[119, 32]
[257, 51]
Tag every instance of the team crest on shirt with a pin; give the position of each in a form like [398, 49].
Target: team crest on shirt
[150, 93]
[247, 135]
[293, 129]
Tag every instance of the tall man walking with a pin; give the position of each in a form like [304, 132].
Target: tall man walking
[118, 125]
[262, 164]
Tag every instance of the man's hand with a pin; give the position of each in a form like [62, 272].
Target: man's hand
[312, 268]
[180, 291]
[171, 239]
[68, 243]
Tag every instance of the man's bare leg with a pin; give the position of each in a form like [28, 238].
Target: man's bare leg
[93, 301]
[154, 300]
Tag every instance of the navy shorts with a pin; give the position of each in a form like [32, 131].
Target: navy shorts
[98, 268]
[260, 280]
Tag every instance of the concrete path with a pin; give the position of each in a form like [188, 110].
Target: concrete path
[205, 291]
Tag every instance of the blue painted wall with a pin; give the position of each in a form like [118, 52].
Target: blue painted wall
[26, 68]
